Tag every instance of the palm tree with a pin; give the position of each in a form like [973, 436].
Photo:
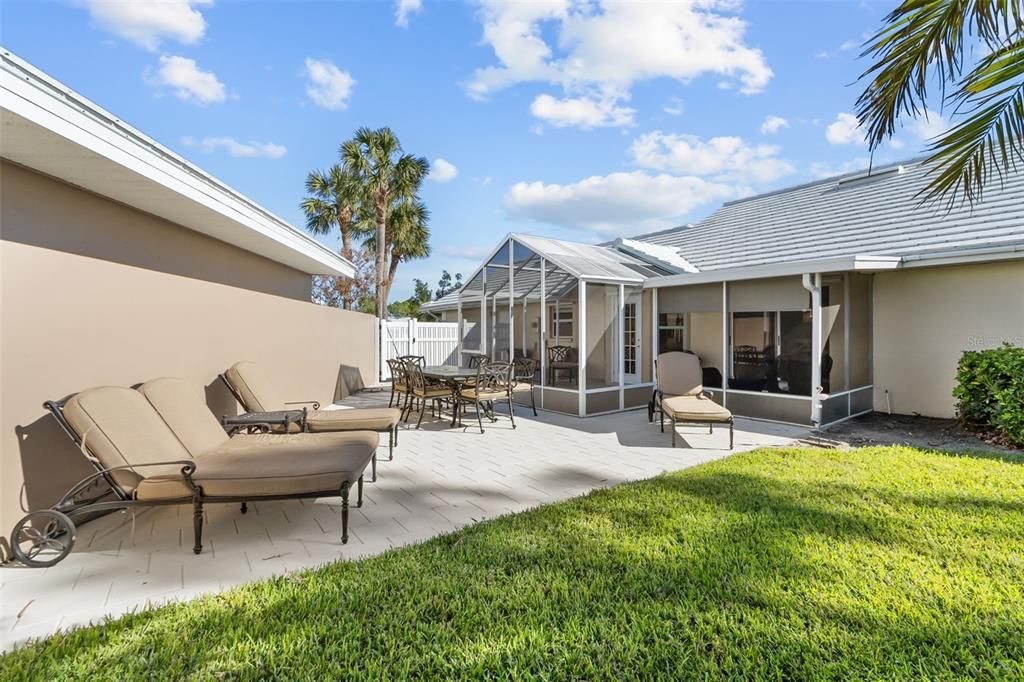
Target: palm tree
[933, 41]
[334, 201]
[408, 238]
[389, 177]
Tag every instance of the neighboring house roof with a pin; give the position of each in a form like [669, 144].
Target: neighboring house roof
[881, 214]
[51, 129]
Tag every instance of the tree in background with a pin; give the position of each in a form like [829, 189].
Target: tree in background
[389, 179]
[411, 306]
[447, 285]
[973, 50]
[343, 292]
[408, 239]
[334, 200]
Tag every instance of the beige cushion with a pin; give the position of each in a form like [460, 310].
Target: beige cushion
[120, 427]
[695, 408]
[183, 409]
[473, 394]
[268, 465]
[679, 374]
[368, 419]
[253, 387]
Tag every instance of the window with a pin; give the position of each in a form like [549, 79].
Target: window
[561, 324]
[771, 351]
[671, 332]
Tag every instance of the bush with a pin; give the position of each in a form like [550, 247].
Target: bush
[990, 390]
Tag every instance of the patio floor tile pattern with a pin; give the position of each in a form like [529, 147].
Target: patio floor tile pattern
[441, 479]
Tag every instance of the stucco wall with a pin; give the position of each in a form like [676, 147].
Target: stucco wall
[96, 293]
[924, 319]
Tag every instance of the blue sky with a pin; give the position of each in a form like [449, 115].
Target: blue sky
[568, 119]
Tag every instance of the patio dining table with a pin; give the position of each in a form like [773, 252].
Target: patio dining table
[454, 377]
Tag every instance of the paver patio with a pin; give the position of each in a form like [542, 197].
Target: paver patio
[441, 479]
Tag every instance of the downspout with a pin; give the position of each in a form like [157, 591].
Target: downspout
[813, 284]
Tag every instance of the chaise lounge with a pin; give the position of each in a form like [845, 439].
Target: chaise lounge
[255, 393]
[160, 445]
[681, 396]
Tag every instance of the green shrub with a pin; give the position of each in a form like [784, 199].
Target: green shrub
[990, 390]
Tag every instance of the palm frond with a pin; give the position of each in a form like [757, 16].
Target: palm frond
[991, 137]
[929, 41]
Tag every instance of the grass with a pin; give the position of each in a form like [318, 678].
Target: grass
[778, 564]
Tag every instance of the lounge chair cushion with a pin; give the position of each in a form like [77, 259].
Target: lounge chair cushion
[268, 465]
[184, 410]
[679, 374]
[120, 427]
[362, 419]
[695, 408]
[253, 387]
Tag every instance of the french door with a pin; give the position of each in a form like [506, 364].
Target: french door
[631, 343]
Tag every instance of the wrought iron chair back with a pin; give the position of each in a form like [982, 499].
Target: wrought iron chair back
[476, 361]
[417, 360]
[496, 377]
[525, 370]
[559, 353]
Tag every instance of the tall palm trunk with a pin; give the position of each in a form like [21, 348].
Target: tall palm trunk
[345, 226]
[381, 261]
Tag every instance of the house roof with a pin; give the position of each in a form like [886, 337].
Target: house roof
[49, 128]
[881, 214]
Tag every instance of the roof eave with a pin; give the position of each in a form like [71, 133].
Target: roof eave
[36, 102]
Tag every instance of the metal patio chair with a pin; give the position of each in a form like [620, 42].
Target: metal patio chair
[494, 382]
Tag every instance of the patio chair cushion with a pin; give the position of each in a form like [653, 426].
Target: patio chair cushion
[360, 419]
[119, 427]
[253, 387]
[184, 410]
[679, 374]
[695, 408]
[433, 392]
[473, 394]
[267, 465]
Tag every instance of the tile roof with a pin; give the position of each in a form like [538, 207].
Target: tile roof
[881, 214]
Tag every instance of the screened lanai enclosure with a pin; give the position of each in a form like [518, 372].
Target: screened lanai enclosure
[579, 310]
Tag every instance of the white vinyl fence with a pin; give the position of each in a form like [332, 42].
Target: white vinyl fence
[438, 342]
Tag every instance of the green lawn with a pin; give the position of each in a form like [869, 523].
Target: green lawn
[880, 563]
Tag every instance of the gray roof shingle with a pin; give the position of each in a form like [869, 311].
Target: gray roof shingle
[882, 215]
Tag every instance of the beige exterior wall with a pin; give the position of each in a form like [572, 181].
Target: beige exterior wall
[96, 293]
[924, 319]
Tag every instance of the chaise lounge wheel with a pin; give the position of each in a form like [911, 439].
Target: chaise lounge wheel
[43, 538]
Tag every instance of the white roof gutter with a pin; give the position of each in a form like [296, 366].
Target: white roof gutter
[864, 263]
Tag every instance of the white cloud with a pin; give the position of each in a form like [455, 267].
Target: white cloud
[773, 124]
[148, 23]
[928, 126]
[581, 112]
[674, 107]
[724, 159]
[404, 8]
[442, 171]
[844, 130]
[189, 82]
[329, 87]
[266, 150]
[599, 50]
[620, 203]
